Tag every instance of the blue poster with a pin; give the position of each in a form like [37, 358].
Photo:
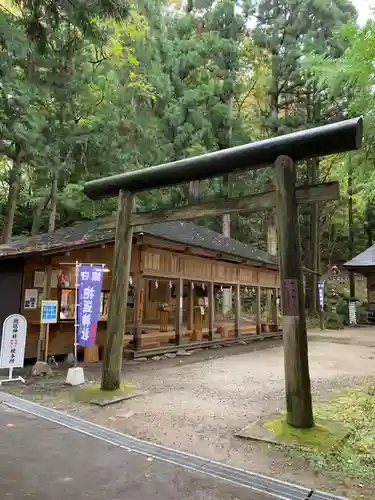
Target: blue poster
[321, 294]
[49, 311]
[90, 279]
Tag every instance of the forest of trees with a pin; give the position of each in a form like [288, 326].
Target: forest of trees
[91, 89]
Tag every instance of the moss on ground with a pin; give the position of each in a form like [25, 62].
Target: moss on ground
[87, 393]
[323, 436]
[354, 455]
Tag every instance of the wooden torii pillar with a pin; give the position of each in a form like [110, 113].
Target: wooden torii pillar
[283, 152]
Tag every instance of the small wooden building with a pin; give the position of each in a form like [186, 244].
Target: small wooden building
[187, 283]
[364, 264]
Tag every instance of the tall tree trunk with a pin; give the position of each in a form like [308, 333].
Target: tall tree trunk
[44, 329]
[13, 193]
[272, 236]
[351, 230]
[315, 240]
[227, 179]
[274, 94]
[312, 298]
[272, 249]
[226, 218]
[53, 201]
[194, 191]
[368, 224]
[38, 211]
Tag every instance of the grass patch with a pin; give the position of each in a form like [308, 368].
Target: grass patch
[323, 436]
[352, 456]
[87, 393]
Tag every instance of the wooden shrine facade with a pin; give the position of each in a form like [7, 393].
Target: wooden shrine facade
[176, 289]
[364, 264]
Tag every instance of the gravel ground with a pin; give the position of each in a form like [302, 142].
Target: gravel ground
[197, 403]
[198, 407]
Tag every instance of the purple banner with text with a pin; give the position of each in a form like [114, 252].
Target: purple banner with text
[90, 279]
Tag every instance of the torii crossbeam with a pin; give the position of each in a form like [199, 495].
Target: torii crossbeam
[283, 152]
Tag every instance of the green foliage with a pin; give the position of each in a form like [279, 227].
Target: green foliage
[334, 321]
[350, 79]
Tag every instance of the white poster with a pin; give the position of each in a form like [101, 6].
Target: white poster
[40, 278]
[31, 299]
[352, 313]
[13, 342]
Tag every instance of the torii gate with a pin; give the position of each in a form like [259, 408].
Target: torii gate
[283, 152]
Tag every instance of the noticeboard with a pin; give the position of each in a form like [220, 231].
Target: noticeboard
[48, 312]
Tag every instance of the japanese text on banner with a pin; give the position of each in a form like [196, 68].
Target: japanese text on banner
[90, 279]
[13, 342]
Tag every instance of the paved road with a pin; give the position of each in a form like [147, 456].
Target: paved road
[43, 461]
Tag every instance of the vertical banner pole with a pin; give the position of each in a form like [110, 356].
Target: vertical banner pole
[321, 303]
[89, 280]
[76, 318]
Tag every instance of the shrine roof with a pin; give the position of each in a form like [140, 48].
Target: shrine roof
[98, 231]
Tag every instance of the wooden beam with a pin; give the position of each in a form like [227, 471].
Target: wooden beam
[258, 310]
[191, 307]
[139, 306]
[296, 362]
[114, 339]
[211, 310]
[253, 203]
[179, 310]
[237, 311]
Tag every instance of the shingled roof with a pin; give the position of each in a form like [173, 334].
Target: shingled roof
[364, 260]
[96, 232]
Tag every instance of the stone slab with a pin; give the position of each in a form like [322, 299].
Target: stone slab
[257, 431]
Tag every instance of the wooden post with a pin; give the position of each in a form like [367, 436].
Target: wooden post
[179, 311]
[114, 340]
[191, 309]
[280, 308]
[271, 249]
[237, 311]
[43, 341]
[297, 378]
[274, 315]
[211, 310]
[46, 342]
[258, 310]
[139, 305]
